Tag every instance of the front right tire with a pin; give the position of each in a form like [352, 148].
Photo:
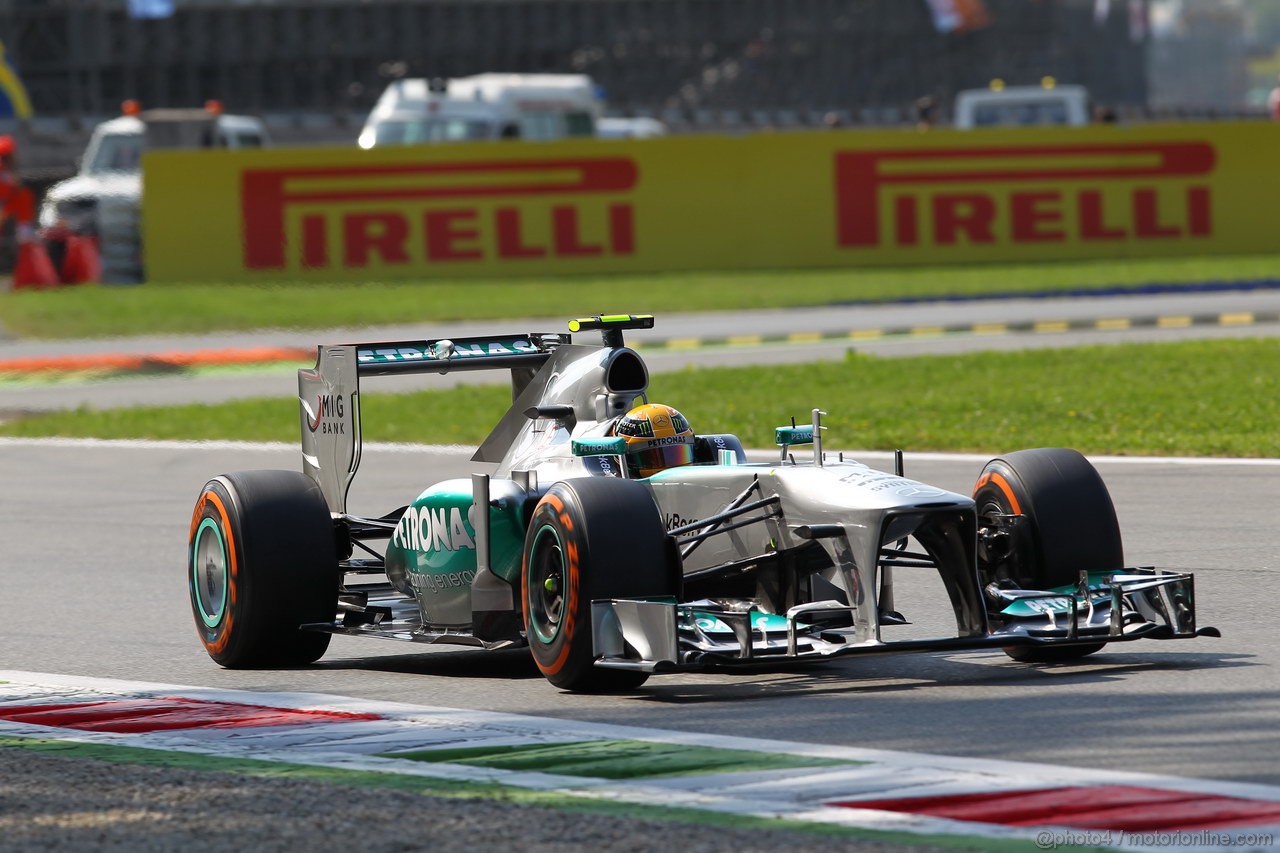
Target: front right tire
[1069, 525]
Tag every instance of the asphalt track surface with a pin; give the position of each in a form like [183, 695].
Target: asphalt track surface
[678, 341]
[94, 547]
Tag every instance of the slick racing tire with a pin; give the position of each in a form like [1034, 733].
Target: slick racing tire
[1070, 525]
[262, 561]
[589, 538]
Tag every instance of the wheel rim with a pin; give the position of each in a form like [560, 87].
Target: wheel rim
[1019, 565]
[989, 509]
[209, 573]
[546, 585]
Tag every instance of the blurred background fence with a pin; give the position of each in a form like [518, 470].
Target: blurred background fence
[314, 67]
[669, 58]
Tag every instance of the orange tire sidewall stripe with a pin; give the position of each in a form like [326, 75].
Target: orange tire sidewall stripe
[572, 579]
[571, 599]
[1002, 484]
[210, 496]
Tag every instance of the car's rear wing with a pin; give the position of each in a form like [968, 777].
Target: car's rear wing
[329, 393]
[444, 355]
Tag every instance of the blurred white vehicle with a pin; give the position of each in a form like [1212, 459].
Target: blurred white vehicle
[111, 164]
[105, 198]
[1022, 106]
[629, 128]
[484, 106]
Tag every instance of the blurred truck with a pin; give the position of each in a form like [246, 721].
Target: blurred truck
[483, 106]
[630, 128]
[104, 198]
[1021, 106]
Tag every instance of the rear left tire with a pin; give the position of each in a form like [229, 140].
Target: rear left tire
[261, 560]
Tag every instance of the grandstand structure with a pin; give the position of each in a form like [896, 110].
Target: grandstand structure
[690, 62]
[313, 68]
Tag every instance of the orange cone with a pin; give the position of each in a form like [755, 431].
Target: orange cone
[34, 269]
[81, 263]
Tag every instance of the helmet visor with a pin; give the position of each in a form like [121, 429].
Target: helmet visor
[647, 462]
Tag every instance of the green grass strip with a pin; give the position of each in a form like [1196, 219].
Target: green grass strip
[619, 759]
[504, 793]
[122, 310]
[1188, 398]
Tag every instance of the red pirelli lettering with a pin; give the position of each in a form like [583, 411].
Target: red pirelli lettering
[1037, 216]
[511, 242]
[1146, 216]
[1074, 177]
[1093, 225]
[369, 233]
[959, 213]
[565, 233]
[451, 235]
[622, 229]
[315, 248]
[266, 195]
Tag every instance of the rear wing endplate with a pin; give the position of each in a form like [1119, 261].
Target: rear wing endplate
[329, 393]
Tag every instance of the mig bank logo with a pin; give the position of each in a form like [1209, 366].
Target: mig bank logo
[328, 415]
[460, 212]
[1024, 195]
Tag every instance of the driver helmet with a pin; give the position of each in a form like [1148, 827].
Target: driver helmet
[658, 437]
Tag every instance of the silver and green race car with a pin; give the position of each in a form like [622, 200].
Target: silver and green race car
[608, 579]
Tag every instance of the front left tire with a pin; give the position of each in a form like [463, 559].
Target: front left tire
[590, 538]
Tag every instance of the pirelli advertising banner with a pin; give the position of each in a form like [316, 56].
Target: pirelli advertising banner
[775, 200]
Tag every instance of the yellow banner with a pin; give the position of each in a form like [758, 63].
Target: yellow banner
[776, 200]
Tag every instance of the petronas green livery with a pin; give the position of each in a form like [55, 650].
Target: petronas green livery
[432, 553]
[600, 532]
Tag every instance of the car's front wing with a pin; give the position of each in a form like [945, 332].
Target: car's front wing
[663, 635]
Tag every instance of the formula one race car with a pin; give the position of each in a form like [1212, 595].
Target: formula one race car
[616, 545]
